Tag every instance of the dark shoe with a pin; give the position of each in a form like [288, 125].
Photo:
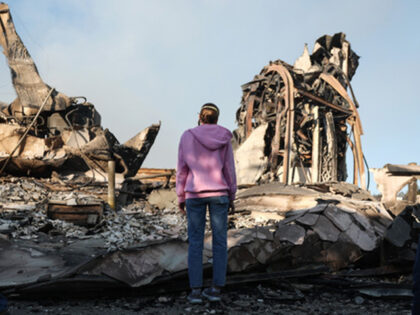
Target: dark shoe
[212, 294]
[195, 296]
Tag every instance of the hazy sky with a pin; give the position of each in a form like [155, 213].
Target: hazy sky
[144, 61]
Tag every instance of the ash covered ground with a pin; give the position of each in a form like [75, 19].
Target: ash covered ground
[263, 298]
[305, 295]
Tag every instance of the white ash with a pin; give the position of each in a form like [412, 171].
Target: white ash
[24, 190]
[122, 230]
[134, 224]
[118, 229]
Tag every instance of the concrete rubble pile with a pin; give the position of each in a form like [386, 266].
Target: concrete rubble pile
[293, 120]
[43, 130]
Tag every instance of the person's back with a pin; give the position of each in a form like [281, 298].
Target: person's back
[208, 167]
[206, 178]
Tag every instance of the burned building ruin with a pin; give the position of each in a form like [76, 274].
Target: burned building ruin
[293, 120]
[44, 130]
[59, 238]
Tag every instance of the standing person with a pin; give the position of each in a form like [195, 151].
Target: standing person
[206, 178]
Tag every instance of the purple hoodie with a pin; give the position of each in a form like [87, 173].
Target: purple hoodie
[205, 163]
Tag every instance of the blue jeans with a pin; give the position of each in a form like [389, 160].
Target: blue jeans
[196, 213]
[416, 283]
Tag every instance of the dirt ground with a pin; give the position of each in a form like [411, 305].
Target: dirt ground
[243, 299]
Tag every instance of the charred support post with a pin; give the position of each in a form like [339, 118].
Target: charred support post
[315, 146]
[275, 144]
[111, 184]
[332, 146]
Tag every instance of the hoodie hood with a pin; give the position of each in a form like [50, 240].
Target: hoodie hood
[211, 136]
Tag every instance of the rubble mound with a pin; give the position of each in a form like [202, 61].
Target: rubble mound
[276, 228]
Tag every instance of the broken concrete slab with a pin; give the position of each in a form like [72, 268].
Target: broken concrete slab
[326, 229]
[340, 219]
[292, 233]
[262, 250]
[163, 199]
[275, 197]
[364, 239]
[142, 266]
[399, 232]
[240, 259]
[276, 189]
[319, 208]
[308, 219]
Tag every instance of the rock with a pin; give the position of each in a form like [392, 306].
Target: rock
[292, 233]
[318, 208]
[341, 219]
[163, 199]
[326, 229]
[163, 299]
[261, 250]
[399, 232]
[308, 219]
[366, 240]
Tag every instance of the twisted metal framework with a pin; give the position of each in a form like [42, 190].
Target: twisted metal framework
[308, 113]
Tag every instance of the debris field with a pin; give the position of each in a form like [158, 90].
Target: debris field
[299, 231]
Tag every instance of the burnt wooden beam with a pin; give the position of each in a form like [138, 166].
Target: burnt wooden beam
[324, 102]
